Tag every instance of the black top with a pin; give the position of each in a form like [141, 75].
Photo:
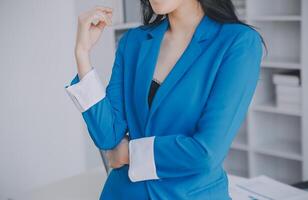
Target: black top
[153, 89]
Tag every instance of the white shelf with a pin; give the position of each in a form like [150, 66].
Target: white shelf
[281, 64]
[272, 142]
[273, 8]
[283, 39]
[275, 18]
[284, 170]
[241, 137]
[239, 146]
[280, 148]
[271, 107]
[276, 133]
[236, 163]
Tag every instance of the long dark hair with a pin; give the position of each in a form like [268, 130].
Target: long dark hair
[222, 11]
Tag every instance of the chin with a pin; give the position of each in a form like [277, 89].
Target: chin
[162, 7]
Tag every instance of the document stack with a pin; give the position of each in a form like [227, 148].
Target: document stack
[288, 90]
[263, 188]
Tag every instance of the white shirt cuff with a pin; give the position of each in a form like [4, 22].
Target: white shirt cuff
[87, 92]
[141, 159]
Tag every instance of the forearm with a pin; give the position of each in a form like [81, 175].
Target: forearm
[83, 62]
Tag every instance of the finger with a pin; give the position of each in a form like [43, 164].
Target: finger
[96, 18]
[98, 11]
[108, 155]
[114, 165]
[107, 16]
[95, 21]
[104, 8]
[110, 165]
[103, 15]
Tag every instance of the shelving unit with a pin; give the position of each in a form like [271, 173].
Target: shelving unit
[272, 140]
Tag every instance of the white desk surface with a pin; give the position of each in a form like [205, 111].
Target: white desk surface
[85, 186]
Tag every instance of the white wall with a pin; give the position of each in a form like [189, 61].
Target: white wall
[42, 136]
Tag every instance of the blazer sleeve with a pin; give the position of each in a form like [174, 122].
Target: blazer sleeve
[176, 154]
[102, 107]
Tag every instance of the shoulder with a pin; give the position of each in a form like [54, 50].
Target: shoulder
[138, 33]
[132, 38]
[239, 33]
[142, 29]
[244, 50]
[239, 40]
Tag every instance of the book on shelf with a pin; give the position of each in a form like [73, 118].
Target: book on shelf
[289, 77]
[288, 99]
[288, 90]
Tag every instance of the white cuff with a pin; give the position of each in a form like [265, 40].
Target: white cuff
[141, 159]
[87, 92]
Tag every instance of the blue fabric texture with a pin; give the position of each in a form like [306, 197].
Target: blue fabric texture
[195, 113]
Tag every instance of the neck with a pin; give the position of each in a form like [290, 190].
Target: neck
[179, 21]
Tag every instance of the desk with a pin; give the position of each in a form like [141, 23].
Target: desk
[85, 186]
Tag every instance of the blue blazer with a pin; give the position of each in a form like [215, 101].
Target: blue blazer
[178, 145]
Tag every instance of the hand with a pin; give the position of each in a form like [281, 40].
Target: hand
[90, 26]
[119, 156]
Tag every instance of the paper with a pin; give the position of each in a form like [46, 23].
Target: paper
[265, 188]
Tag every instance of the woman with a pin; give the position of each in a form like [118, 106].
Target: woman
[180, 87]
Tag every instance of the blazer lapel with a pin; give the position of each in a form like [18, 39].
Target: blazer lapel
[147, 59]
[182, 65]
